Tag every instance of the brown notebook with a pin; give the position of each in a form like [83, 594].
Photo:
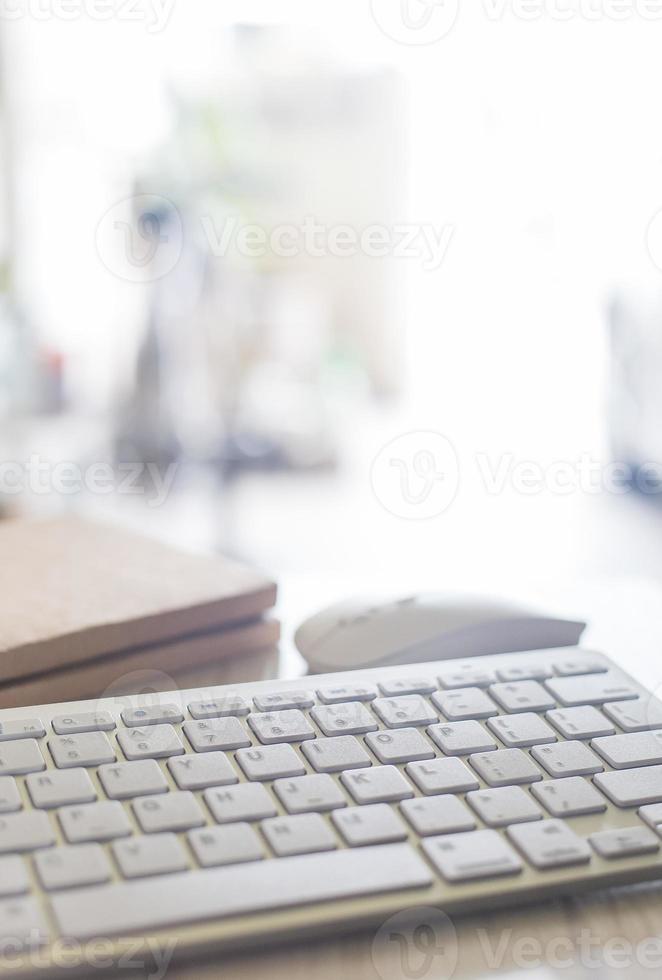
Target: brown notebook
[203, 660]
[73, 591]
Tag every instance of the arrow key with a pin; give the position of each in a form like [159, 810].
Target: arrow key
[626, 842]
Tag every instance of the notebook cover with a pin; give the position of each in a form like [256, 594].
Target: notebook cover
[73, 591]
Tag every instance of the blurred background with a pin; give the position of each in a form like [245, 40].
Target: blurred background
[359, 289]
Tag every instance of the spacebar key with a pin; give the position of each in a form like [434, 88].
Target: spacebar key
[113, 910]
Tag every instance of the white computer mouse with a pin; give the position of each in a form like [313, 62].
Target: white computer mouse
[360, 633]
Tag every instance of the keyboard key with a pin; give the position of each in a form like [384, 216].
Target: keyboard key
[405, 712]
[21, 728]
[567, 759]
[219, 734]
[501, 807]
[442, 776]
[362, 825]
[236, 843]
[142, 906]
[14, 878]
[401, 745]
[174, 812]
[157, 742]
[10, 799]
[94, 822]
[22, 924]
[60, 788]
[304, 834]
[195, 772]
[653, 816]
[142, 857]
[526, 672]
[25, 832]
[88, 749]
[629, 751]
[590, 689]
[581, 722]
[549, 844]
[352, 718]
[306, 794]
[87, 721]
[431, 815]
[156, 714]
[336, 754]
[505, 767]
[631, 787]
[571, 797]
[347, 692]
[407, 685]
[124, 780]
[522, 730]
[281, 726]
[466, 675]
[381, 784]
[477, 854]
[231, 704]
[624, 842]
[284, 700]
[466, 703]
[72, 867]
[462, 737]
[522, 696]
[579, 665]
[247, 801]
[270, 762]
[20, 758]
[638, 715]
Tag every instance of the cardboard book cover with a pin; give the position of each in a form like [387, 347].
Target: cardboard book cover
[75, 591]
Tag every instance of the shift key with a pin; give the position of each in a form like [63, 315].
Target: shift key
[631, 787]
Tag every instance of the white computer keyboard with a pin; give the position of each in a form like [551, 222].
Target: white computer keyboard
[215, 819]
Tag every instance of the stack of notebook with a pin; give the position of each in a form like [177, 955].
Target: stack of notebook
[88, 610]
